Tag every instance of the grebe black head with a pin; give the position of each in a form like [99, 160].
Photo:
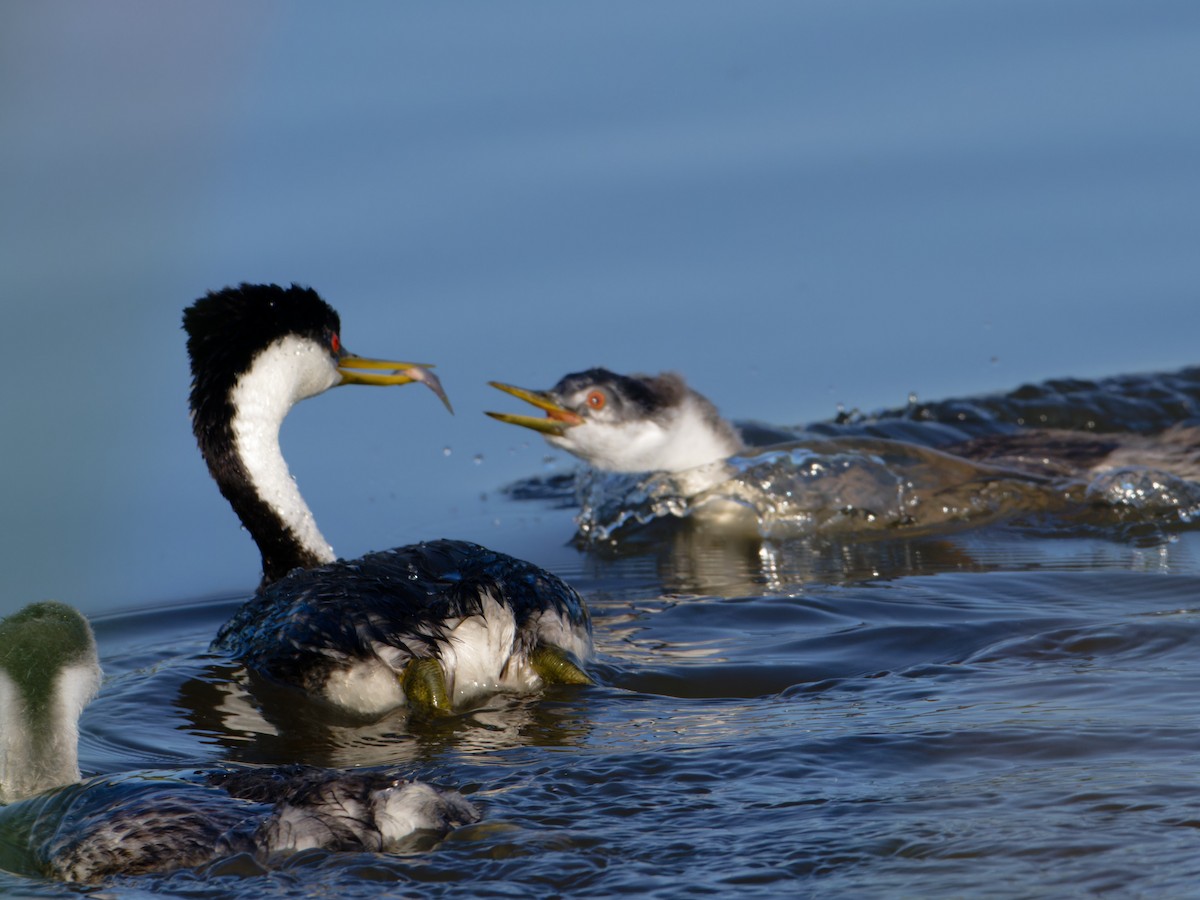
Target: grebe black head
[129, 825]
[628, 423]
[255, 351]
[436, 622]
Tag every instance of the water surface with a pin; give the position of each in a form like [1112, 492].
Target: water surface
[802, 207]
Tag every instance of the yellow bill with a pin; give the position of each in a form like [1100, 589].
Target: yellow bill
[384, 372]
[556, 421]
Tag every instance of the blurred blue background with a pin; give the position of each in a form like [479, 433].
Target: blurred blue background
[798, 205]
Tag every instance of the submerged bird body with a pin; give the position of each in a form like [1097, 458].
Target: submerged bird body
[589, 412]
[892, 472]
[437, 622]
[162, 821]
[1061, 453]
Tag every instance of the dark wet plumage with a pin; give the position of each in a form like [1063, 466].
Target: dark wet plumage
[165, 821]
[299, 628]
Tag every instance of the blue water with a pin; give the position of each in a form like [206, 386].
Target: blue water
[801, 206]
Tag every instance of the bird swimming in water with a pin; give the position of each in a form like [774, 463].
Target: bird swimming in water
[893, 470]
[435, 623]
[656, 423]
[85, 831]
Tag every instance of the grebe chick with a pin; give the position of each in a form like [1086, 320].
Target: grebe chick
[164, 821]
[628, 423]
[435, 623]
[49, 672]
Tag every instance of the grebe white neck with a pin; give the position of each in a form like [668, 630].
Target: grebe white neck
[37, 755]
[287, 371]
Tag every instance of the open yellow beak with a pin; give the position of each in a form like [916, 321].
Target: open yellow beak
[383, 372]
[556, 421]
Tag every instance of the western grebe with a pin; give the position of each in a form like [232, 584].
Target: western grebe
[436, 622]
[84, 831]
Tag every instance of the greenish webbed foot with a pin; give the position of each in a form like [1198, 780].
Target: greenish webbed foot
[553, 667]
[425, 685]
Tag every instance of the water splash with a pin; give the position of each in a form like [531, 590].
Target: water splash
[868, 487]
[1147, 492]
[816, 487]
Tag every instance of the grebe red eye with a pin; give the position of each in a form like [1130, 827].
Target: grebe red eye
[596, 399]
[335, 343]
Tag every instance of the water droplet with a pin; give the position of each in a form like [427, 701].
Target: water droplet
[446, 451]
[912, 398]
